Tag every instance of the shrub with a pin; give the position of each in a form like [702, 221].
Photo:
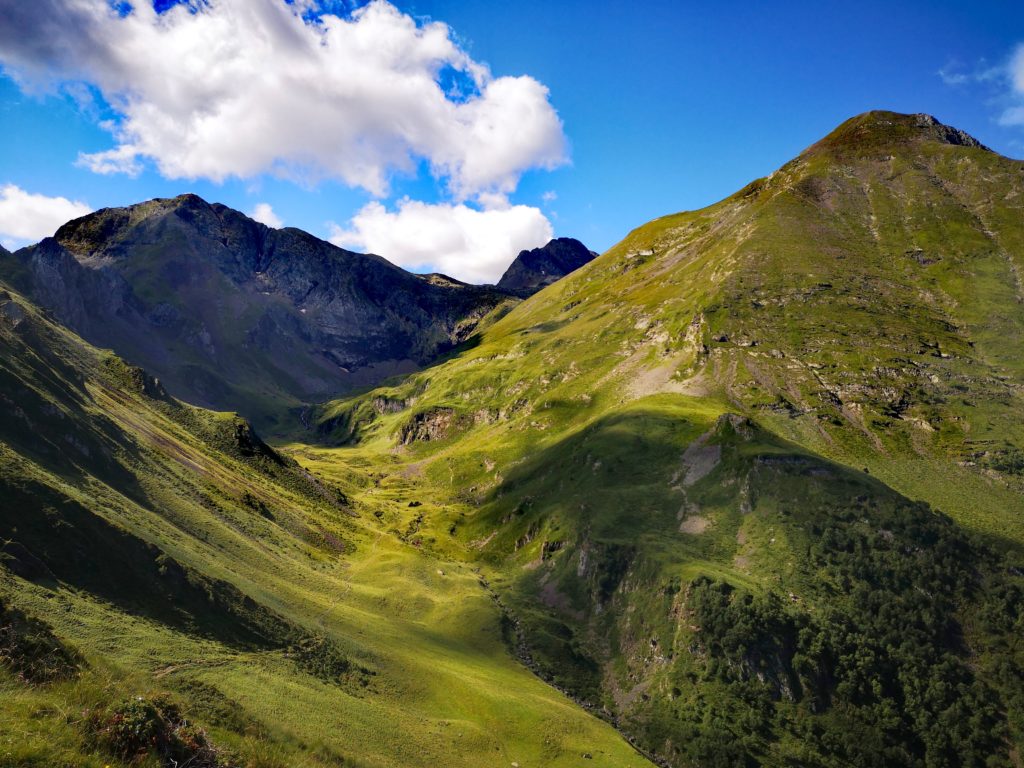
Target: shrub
[139, 728]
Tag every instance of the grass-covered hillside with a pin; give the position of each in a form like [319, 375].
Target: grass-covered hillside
[175, 592]
[750, 482]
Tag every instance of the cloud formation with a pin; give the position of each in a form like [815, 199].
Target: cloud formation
[27, 218]
[475, 246]
[264, 214]
[236, 88]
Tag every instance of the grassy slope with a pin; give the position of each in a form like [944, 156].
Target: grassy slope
[861, 305]
[104, 483]
[868, 307]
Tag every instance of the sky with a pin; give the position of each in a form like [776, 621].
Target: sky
[447, 135]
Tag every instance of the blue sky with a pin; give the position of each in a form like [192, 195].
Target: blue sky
[664, 106]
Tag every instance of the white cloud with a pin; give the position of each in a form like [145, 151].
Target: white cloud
[264, 214]
[950, 76]
[27, 218]
[1012, 116]
[1005, 81]
[236, 88]
[550, 196]
[472, 245]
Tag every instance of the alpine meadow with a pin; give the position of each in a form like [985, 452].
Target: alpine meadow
[437, 487]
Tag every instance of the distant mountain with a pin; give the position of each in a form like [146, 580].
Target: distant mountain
[537, 268]
[233, 315]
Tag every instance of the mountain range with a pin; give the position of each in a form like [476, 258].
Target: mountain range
[745, 489]
[234, 315]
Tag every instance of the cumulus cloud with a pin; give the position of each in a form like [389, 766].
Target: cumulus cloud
[236, 88]
[264, 214]
[472, 245]
[27, 217]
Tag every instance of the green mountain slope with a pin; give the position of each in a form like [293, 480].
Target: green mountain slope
[174, 591]
[750, 481]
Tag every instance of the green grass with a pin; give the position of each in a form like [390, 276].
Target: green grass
[432, 680]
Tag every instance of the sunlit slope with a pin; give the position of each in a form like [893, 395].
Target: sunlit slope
[699, 469]
[864, 301]
[169, 551]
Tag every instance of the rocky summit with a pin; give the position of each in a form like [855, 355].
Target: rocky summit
[539, 267]
[234, 315]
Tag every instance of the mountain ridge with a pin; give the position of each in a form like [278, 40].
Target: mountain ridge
[750, 485]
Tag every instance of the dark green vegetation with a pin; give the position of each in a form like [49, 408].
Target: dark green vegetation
[29, 649]
[232, 314]
[747, 486]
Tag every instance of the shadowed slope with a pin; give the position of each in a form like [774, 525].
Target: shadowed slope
[175, 553]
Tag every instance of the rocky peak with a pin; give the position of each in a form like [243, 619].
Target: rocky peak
[539, 267]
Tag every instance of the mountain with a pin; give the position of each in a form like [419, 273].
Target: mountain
[234, 315]
[196, 597]
[534, 269]
[751, 481]
[748, 487]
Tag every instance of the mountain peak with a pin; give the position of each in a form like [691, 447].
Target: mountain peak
[878, 129]
[536, 268]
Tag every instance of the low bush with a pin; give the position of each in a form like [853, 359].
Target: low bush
[142, 728]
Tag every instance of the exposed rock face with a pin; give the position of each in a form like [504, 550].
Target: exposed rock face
[434, 424]
[234, 315]
[533, 270]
